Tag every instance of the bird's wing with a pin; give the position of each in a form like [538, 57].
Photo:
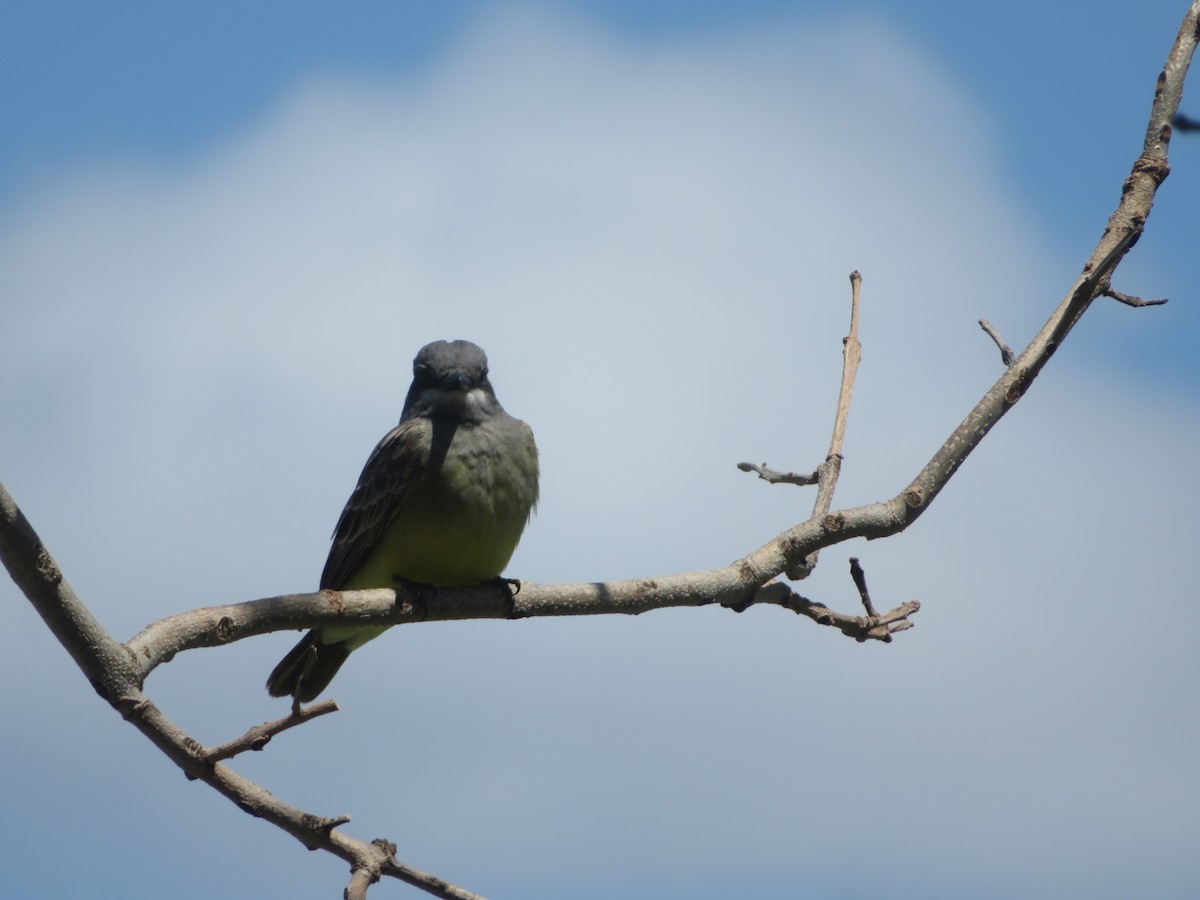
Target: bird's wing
[394, 464]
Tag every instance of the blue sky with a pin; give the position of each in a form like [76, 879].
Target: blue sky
[162, 85]
[224, 232]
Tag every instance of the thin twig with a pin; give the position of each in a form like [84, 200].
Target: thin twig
[1006, 353]
[257, 737]
[851, 356]
[831, 469]
[1129, 300]
[771, 476]
[872, 627]
[860, 582]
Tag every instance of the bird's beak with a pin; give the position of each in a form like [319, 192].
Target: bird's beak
[457, 381]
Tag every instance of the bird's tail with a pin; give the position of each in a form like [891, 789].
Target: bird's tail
[308, 668]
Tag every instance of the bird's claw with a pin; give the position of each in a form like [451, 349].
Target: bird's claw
[419, 593]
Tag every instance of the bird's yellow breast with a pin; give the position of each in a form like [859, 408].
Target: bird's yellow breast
[460, 522]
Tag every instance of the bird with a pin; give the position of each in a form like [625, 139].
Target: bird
[442, 501]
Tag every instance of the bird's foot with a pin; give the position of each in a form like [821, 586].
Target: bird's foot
[419, 593]
[510, 587]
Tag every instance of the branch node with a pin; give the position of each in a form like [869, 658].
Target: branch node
[323, 824]
[1016, 390]
[1156, 167]
[128, 707]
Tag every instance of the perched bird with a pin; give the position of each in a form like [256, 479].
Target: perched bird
[442, 501]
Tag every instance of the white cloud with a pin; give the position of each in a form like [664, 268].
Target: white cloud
[652, 243]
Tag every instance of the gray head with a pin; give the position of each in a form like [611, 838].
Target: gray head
[450, 379]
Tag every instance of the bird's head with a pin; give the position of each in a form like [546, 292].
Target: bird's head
[450, 380]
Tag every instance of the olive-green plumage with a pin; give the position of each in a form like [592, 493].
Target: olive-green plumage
[442, 500]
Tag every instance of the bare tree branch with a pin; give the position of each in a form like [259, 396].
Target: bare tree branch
[826, 474]
[769, 475]
[733, 586]
[860, 582]
[1128, 300]
[111, 668]
[260, 735]
[862, 628]
[831, 469]
[851, 356]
